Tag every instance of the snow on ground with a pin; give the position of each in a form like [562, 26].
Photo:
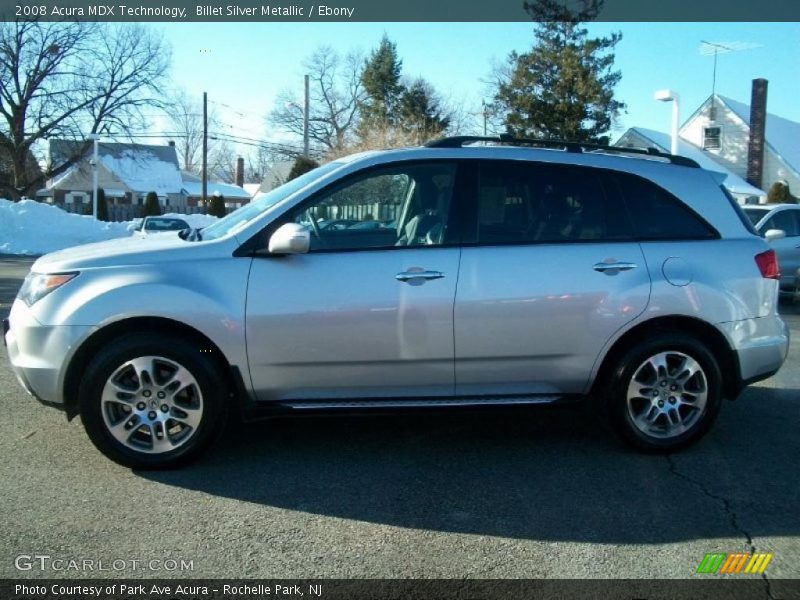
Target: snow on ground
[30, 227]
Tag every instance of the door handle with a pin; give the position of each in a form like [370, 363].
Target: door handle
[616, 266]
[412, 275]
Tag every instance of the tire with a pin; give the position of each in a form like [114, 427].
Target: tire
[669, 411]
[149, 401]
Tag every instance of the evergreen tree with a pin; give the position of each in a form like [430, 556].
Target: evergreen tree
[151, 206]
[381, 82]
[563, 87]
[420, 113]
[102, 206]
[216, 208]
[302, 165]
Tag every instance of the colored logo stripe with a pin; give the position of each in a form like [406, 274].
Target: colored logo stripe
[758, 563]
[734, 563]
[710, 563]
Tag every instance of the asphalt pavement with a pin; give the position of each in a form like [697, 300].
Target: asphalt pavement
[546, 493]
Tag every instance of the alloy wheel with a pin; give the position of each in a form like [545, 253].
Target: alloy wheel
[152, 404]
[667, 394]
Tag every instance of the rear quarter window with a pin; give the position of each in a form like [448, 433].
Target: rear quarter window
[658, 215]
[748, 218]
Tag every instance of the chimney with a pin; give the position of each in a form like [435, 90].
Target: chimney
[171, 143]
[758, 122]
[240, 171]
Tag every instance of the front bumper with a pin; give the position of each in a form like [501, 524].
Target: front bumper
[39, 354]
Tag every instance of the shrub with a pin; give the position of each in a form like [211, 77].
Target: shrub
[302, 165]
[216, 208]
[102, 206]
[779, 193]
[151, 206]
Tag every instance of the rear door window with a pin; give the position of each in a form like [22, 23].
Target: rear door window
[522, 202]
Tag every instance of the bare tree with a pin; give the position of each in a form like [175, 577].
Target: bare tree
[67, 80]
[259, 162]
[222, 161]
[185, 117]
[335, 97]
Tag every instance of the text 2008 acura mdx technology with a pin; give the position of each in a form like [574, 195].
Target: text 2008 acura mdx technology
[458, 274]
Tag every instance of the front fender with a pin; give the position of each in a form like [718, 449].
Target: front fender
[207, 295]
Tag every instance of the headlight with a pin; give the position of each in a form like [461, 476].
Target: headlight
[37, 285]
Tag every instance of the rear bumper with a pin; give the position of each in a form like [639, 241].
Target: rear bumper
[761, 346]
[39, 353]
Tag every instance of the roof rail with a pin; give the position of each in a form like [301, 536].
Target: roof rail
[578, 147]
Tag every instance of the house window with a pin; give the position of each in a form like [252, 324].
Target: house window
[711, 137]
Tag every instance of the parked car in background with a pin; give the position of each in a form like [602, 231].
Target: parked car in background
[150, 225]
[780, 225]
[514, 272]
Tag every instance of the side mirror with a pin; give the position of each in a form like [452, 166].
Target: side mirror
[290, 238]
[774, 234]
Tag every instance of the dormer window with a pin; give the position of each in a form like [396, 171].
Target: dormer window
[711, 138]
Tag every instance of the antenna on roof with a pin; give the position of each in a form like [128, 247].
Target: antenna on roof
[715, 48]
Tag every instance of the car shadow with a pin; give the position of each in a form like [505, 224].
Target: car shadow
[547, 474]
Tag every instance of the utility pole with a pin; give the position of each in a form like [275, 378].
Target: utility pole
[305, 120]
[95, 138]
[205, 146]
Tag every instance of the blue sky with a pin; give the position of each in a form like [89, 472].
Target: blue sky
[244, 65]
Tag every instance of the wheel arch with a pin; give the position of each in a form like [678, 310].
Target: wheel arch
[161, 325]
[702, 331]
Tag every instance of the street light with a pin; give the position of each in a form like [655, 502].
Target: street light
[670, 96]
[95, 139]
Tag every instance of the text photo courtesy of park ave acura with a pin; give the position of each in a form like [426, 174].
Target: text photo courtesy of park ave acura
[399, 301]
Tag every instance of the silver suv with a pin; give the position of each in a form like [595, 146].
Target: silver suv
[471, 272]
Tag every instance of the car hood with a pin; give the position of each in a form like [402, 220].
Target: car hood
[120, 252]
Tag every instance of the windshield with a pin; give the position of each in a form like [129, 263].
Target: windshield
[262, 202]
[755, 214]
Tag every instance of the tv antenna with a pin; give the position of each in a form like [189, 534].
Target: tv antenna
[716, 48]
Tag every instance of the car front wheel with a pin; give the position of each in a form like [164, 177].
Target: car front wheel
[150, 401]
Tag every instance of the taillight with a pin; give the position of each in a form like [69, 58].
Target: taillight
[768, 265]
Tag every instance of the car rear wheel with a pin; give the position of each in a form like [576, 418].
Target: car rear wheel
[665, 393]
[150, 401]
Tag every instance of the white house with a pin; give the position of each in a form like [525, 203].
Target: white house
[640, 137]
[721, 127]
[718, 136]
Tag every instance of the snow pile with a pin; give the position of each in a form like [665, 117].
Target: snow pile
[30, 227]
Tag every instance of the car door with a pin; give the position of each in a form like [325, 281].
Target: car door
[550, 275]
[787, 248]
[368, 311]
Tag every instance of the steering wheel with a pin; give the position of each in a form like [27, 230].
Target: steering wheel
[314, 225]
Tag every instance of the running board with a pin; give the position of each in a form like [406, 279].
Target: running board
[393, 403]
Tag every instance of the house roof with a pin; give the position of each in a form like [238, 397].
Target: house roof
[662, 141]
[227, 190]
[252, 188]
[141, 167]
[782, 134]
